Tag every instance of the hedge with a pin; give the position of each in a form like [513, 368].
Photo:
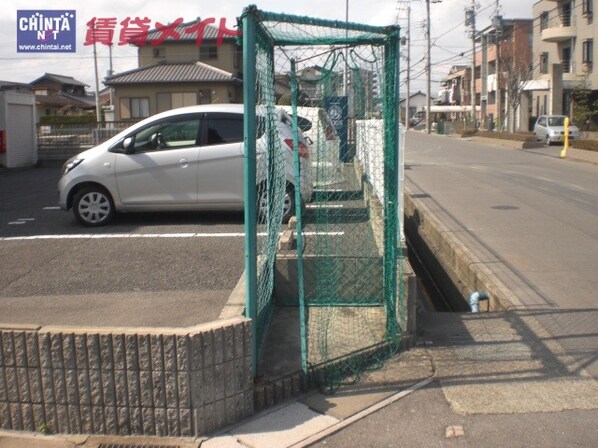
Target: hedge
[589, 145]
[516, 136]
[67, 119]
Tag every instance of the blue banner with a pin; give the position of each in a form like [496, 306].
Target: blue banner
[337, 109]
[46, 31]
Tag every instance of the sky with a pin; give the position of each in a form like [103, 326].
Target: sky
[449, 35]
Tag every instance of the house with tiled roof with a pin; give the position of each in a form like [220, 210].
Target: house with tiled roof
[61, 95]
[175, 71]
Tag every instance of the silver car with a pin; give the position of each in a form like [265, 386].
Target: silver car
[183, 159]
[551, 129]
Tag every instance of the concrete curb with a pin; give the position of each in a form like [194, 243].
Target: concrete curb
[467, 272]
[514, 144]
[10, 439]
[362, 414]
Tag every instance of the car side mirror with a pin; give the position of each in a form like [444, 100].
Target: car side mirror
[128, 145]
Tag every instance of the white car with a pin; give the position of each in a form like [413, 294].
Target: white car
[325, 148]
[551, 129]
[190, 158]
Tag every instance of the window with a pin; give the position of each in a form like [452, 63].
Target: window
[134, 108]
[587, 50]
[586, 7]
[173, 100]
[224, 128]
[544, 20]
[172, 134]
[205, 96]
[208, 52]
[566, 14]
[544, 63]
[159, 52]
[566, 60]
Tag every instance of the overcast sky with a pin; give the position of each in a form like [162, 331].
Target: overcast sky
[449, 34]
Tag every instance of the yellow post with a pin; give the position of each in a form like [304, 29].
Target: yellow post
[566, 146]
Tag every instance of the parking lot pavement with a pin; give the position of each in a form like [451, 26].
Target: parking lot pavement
[159, 269]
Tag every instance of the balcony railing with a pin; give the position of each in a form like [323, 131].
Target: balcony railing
[558, 26]
[557, 19]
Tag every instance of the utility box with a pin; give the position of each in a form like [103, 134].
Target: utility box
[18, 142]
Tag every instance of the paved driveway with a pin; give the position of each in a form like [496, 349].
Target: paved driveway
[158, 269]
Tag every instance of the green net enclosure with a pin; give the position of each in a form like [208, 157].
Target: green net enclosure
[321, 105]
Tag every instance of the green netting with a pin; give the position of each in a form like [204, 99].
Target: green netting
[342, 78]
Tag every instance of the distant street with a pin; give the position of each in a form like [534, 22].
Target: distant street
[531, 216]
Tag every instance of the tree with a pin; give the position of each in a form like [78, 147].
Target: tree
[517, 74]
[585, 105]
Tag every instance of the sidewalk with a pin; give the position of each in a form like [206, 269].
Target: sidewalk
[580, 155]
[495, 380]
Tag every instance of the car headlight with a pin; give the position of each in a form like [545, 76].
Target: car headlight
[70, 165]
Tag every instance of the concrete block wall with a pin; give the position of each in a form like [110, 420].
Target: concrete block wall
[164, 382]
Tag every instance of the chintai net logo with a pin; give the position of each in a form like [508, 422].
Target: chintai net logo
[47, 31]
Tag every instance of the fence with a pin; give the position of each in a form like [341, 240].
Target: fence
[80, 135]
[343, 78]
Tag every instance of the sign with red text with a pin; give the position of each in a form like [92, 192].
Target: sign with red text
[136, 31]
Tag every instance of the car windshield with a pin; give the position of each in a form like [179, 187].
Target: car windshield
[556, 121]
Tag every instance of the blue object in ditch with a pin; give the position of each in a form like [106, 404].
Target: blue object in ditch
[474, 300]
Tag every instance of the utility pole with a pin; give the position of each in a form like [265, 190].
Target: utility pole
[110, 73]
[470, 21]
[95, 63]
[497, 22]
[408, 77]
[428, 68]
[484, 79]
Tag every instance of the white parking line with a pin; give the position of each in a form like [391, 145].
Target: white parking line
[51, 208]
[106, 236]
[21, 221]
[324, 205]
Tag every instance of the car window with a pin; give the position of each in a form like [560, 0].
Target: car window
[224, 128]
[167, 135]
[542, 121]
[556, 121]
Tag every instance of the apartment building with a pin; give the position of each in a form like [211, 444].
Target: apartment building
[502, 64]
[564, 53]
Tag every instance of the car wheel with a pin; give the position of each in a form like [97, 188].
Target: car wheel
[288, 203]
[288, 208]
[93, 206]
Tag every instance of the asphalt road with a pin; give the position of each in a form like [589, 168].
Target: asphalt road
[146, 269]
[531, 216]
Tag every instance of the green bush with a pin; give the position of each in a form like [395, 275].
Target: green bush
[516, 136]
[468, 132]
[589, 145]
[67, 119]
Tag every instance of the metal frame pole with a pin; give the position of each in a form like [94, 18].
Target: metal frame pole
[250, 194]
[299, 228]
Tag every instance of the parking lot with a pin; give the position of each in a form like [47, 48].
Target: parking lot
[145, 269]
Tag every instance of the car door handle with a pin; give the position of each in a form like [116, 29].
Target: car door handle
[184, 163]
